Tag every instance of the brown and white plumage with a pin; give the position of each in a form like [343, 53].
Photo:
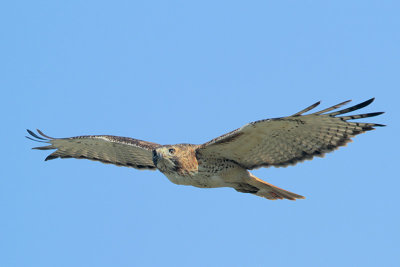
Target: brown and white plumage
[225, 160]
[286, 141]
[120, 151]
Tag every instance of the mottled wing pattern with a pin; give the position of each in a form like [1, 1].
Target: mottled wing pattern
[286, 141]
[120, 151]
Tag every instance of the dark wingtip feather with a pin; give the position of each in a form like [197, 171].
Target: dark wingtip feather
[356, 107]
[307, 109]
[331, 108]
[42, 134]
[35, 135]
[360, 116]
[30, 138]
[365, 103]
[44, 147]
[376, 113]
[50, 157]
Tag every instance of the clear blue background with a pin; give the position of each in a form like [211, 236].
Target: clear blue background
[188, 71]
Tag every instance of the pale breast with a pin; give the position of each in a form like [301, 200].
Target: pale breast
[210, 173]
[197, 180]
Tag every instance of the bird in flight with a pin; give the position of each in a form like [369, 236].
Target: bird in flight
[225, 161]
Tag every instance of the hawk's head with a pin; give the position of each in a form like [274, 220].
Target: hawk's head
[175, 158]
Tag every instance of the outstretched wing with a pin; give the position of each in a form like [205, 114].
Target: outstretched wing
[285, 141]
[120, 151]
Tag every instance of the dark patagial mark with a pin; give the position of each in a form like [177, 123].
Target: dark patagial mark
[155, 157]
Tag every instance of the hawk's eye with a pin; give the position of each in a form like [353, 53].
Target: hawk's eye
[171, 150]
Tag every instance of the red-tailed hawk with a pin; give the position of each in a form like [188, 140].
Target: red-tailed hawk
[225, 160]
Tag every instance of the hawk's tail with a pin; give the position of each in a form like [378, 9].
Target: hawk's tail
[270, 191]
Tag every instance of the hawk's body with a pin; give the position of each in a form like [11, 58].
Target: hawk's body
[209, 172]
[225, 160]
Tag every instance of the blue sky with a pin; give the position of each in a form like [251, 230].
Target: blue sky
[188, 71]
